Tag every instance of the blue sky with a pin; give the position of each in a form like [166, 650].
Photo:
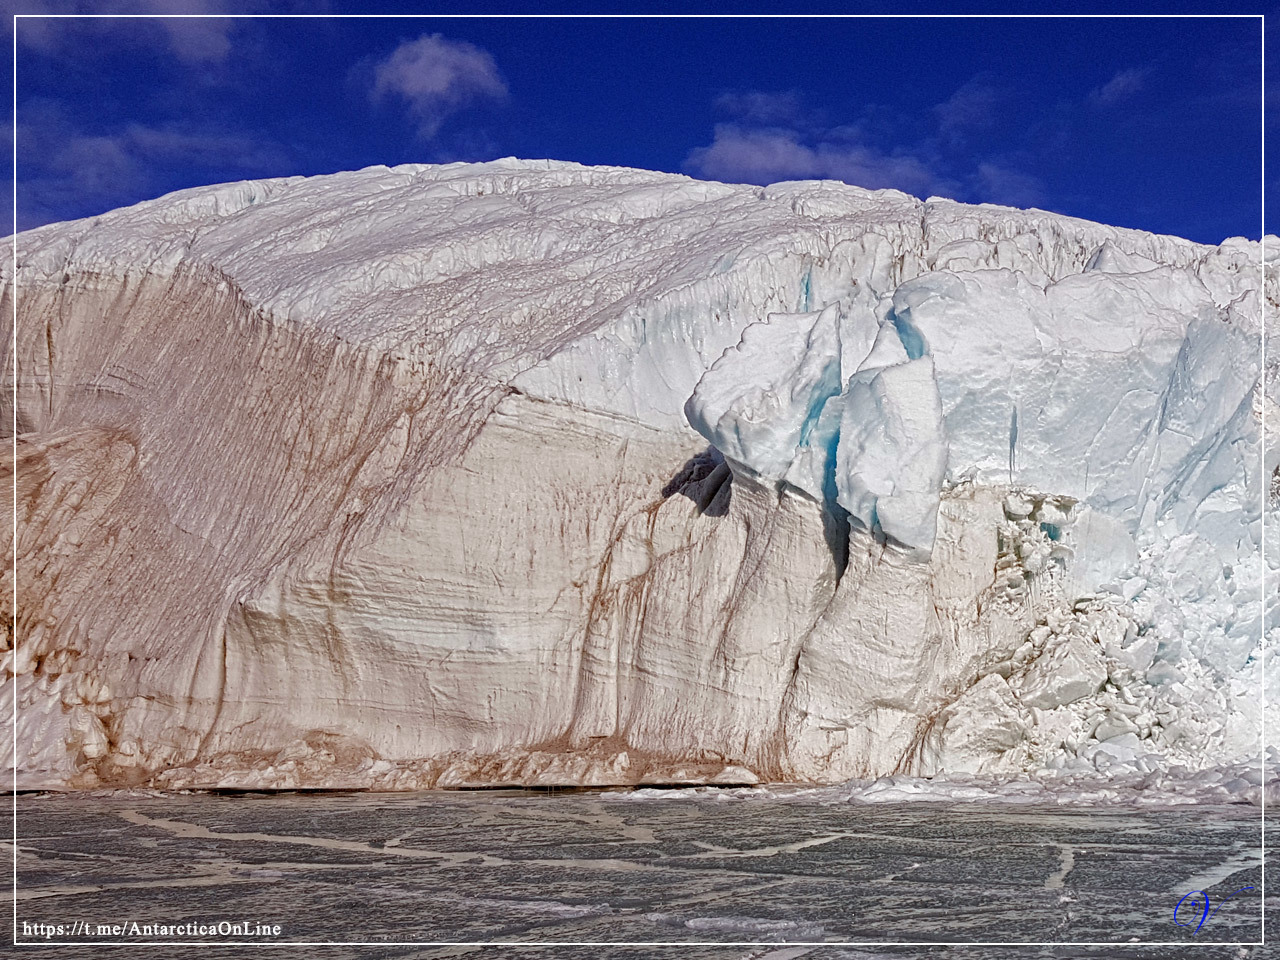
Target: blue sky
[1142, 123]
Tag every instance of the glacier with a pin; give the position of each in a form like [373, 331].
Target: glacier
[531, 473]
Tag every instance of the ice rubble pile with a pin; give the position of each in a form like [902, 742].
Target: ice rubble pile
[386, 479]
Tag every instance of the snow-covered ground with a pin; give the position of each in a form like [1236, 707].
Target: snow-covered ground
[528, 472]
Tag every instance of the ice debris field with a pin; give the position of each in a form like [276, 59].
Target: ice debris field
[531, 473]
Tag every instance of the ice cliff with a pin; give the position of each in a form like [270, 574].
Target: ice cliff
[528, 472]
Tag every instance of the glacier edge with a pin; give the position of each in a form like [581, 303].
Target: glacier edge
[303, 500]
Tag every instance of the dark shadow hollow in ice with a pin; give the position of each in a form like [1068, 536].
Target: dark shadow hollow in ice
[706, 480]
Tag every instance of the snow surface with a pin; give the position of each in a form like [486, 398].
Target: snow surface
[401, 478]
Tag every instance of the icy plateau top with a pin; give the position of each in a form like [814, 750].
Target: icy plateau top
[514, 264]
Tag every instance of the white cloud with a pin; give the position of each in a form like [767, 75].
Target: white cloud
[199, 38]
[972, 107]
[999, 184]
[754, 156]
[756, 106]
[943, 151]
[742, 155]
[437, 77]
[1120, 87]
[66, 171]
